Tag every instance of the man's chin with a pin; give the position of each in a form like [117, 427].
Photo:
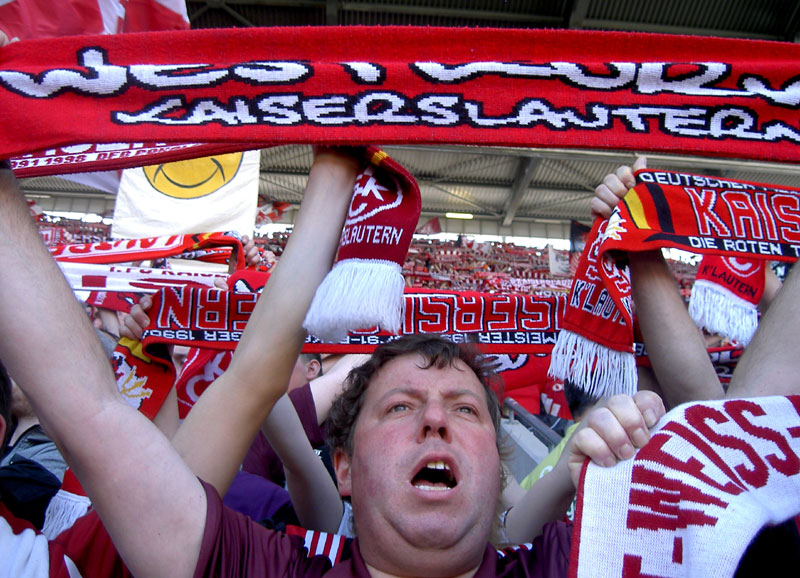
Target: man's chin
[441, 533]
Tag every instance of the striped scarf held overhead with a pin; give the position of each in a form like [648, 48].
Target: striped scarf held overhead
[196, 93]
[706, 215]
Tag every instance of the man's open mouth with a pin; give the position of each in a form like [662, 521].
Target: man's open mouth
[434, 476]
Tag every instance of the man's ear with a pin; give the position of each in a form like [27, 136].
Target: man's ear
[341, 463]
[313, 369]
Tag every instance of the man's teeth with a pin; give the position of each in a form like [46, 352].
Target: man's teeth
[441, 487]
[432, 488]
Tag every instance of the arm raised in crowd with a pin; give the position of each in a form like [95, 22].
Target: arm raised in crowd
[149, 499]
[674, 344]
[314, 496]
[216, 434]
[770, 364]
[139, 485]
[675, 347]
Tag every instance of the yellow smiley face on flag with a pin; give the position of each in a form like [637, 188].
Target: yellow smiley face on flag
[193, 178]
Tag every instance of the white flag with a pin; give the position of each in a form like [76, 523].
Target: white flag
[23, 19]
[217, 193]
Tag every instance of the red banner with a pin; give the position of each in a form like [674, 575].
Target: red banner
[554, 88]
[502, 323]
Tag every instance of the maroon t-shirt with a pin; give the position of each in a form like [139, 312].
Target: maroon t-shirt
[234, 546]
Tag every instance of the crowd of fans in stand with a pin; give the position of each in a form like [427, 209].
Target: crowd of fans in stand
[460, 265]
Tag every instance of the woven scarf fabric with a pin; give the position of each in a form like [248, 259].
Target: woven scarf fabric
[502, 323]
[116, 278]
[144, 376]
[365, 286]
[517, 334]
[726, 294]
[690, 501]
[200, 92]
[706, 215]
[596, 348]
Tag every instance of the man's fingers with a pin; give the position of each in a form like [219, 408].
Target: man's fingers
[588, 443]
[251, 254]
[605, 423]
[651, 406]
[625, 177]
[131, 328]
[640, 163]
[603, 201]
[628, 416]
[614, 430]
[608, 194]
[137, 320]
[599, 209]
[615, 184]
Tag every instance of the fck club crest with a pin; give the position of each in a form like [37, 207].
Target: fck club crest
[372, 196]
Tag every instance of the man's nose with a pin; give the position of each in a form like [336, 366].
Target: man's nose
[434, 422]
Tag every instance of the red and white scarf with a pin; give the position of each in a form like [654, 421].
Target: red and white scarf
[365, 286]
[595, 350]
[198, 92]
[690, 501]
[726, 294]
[706, 215]
[205, 364]
[214, 247]
[501, 323]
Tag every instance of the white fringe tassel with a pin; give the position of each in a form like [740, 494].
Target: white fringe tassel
[356, 294]
[596, 369]
[62, 511]
[717, 310]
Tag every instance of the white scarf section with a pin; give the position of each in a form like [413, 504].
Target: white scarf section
[690, 502]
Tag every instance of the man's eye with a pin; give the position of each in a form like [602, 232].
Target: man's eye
[398, 407]
[467, 409]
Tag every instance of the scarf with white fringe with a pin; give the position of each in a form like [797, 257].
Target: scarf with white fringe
[706, 215]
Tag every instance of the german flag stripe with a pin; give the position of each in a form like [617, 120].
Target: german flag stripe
[663, 212]
[636, 209]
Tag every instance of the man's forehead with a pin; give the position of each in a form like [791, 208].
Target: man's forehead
[411, 372]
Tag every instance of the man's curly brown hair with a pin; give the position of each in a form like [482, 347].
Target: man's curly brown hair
[437, 351]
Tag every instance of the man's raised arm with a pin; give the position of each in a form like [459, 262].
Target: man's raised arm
[674, 344]
[770, 364]
[151, 503]
[217, 432]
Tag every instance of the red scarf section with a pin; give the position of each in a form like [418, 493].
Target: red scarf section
[726, 294]
[197, 92]
[365, 285]
[213, 247]
[502, 323]
[706, 215]
[516, 332]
